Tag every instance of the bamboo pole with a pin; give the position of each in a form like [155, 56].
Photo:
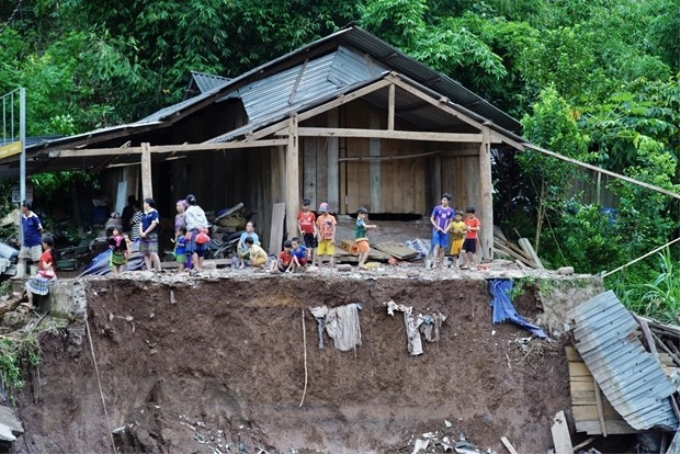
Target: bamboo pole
[609, 273]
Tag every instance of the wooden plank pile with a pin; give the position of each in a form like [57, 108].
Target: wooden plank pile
[592, 411]
[524, 254]
[346, 253]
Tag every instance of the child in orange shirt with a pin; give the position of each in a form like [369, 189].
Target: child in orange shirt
[472, 226]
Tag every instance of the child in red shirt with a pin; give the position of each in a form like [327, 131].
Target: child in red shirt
[307, 228]
[472, 226]
[286, 262]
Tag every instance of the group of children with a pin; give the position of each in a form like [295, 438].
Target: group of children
[464, 228]
[317, 241]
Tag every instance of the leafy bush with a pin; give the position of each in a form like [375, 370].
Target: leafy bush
[658, 298]
[585, 237]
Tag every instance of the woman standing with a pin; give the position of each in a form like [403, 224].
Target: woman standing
[149, 235]
[196, 222]
[39, 284]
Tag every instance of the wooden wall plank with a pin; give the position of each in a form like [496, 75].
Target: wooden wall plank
[375, 175]
[333, 164]
[309, 153]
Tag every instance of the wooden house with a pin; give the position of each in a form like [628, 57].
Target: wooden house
[347, 120]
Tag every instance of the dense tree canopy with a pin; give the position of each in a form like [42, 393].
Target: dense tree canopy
[593, 79]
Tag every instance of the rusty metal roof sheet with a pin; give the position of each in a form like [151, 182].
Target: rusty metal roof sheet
[630, 377]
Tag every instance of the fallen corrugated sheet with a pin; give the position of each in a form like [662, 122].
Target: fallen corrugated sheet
[630, 377]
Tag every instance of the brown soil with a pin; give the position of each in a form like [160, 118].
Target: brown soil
[225, 365]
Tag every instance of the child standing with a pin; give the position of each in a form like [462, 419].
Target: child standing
[258, 257]
[472, 226]
[119, 251]
[441, 223]
[300, 253]
[307, 228]
[326, 232]
[181, 248]
[458, 234]
[360, 238]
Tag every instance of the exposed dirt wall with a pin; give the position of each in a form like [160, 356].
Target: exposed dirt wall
[224, 364]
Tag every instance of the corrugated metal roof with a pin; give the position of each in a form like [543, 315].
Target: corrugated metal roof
[208, 82]
[326, 76]
[280, 114]
[628, 375]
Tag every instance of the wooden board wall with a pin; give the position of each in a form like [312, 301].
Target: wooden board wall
[400, 187]
[460, 177]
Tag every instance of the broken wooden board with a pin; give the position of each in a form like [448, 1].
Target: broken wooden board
[348, 245]
[529, 250]
[277, 229]
[396, 250]
[342, 256]
[560, 434]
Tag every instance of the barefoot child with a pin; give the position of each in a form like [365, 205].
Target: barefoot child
[39, 284]
[360, 238]
[119, 251]
[326, 225]
[458, 234]
[441, 223]
[472, 226]
[258, 257]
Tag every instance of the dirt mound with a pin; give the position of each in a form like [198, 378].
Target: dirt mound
[223, 365]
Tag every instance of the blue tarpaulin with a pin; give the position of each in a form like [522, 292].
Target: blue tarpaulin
[504, 310]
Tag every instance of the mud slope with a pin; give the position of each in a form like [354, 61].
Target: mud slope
[225, 364]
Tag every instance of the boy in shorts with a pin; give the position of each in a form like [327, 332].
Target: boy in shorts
[472, 226]
[31, 248]
[307, 229]
[326, 225]
[441, 223]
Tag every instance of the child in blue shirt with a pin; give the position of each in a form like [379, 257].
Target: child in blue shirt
[441, 218]
[300, 253]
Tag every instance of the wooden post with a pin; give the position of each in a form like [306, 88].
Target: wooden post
[147, 183]
[333, 165]
[374, 150]
[435, 189]
[486, 192]
[390, 108]
[292, 178]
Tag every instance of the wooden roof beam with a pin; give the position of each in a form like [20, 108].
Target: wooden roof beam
[386, 134]
[85, 153]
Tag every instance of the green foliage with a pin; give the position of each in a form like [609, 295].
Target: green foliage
[586, 238]
[552, 125]
[13, 354]
[659, 297]
[50, 185]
